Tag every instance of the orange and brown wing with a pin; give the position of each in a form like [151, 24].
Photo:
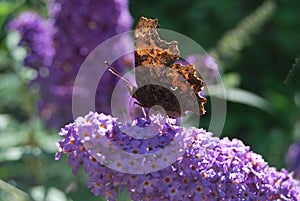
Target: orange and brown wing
[152, 59]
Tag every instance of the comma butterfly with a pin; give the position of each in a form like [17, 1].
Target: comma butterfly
[157, 58]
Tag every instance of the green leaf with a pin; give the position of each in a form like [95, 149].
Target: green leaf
[9, 193]
[6, 8]
[4, 121]
[12, 154]
[123, 196]
[241, 96]
[49, 194]
[12, 39]
[48, 142]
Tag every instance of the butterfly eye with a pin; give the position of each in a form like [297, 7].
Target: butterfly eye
[173, 88]
[157, 26]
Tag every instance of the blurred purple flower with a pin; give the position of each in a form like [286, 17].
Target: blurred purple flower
[209, 169]
[293, 159]
[60, 44]
[37, 35]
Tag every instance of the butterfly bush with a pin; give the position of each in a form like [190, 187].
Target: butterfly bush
[209, 168]
[37, 33]
[293, 159]
[57, 47]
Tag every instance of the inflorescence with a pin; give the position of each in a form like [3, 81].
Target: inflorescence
[208, 168]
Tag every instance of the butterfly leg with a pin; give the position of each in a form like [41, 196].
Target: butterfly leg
[143, 109]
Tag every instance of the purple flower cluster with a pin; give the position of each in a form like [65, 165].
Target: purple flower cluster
[208, 168]
[293, 159]
[59, 45]
[37, 35]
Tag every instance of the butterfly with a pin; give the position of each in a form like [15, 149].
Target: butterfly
[160, 81]
[173, 86]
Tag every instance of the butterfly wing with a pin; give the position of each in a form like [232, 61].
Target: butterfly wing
[175, 87]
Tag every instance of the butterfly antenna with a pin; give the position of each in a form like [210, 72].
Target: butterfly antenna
[117, 73]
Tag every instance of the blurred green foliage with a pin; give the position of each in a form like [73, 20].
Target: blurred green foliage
[256, 44]
[9, 192]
